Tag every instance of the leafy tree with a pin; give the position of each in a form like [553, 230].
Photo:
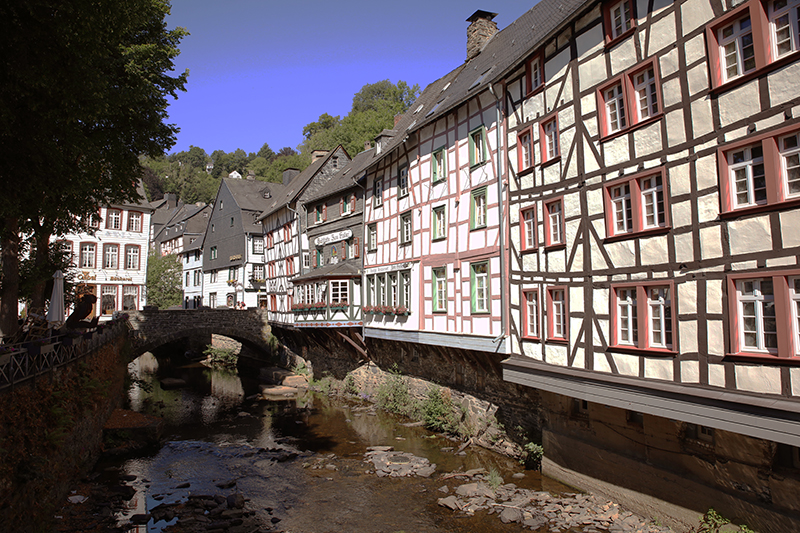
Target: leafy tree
[163, 286]
[84, 92]
[266, 152]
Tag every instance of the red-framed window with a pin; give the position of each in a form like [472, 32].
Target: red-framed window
[133, 256]
[527, 228]
[531, 313]
[642, 316]
[113, 219]
[108, 299]
[554, 222]
[557, 313]
[130, 297]
[270, 240]
[764, 313]
[534, 73]
[549, 142]
[135, 221]
[754, 36]
[637, 204]
[619, 20]
[760, 171]
[88, 255]
[525, 158]
[630, 99]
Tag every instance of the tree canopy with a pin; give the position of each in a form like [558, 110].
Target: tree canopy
[164, 287]
[84, 93]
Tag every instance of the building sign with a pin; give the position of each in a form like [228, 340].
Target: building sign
[387, 268]
[235, 257]
[333, 237]
[121, 278]
[86, 276]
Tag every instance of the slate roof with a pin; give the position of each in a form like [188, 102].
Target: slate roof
[182, 213]
[344, 269]
[344, 179]
[249, 196]
[503, 53]
[298, 183]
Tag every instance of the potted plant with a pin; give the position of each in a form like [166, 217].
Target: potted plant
[401, 310]
[39, 347]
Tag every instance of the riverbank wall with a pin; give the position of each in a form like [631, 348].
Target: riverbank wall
[51, 431]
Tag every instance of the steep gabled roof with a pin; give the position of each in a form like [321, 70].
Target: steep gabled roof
[346, 177]
[299, 183]
[253, 196]
[504, 52]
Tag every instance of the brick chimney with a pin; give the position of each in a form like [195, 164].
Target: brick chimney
[480, 30]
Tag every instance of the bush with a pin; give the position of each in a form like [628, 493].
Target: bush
[440, 413]
[221, 357]
[393, 395]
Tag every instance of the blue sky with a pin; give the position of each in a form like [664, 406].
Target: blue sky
[260, 70]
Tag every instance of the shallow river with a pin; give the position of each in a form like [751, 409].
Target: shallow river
[215, 429]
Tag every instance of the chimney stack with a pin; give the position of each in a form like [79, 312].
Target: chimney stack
[288, 174]
[318, 154]
[481, 29]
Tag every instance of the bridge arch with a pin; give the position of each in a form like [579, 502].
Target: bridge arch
[153, 328]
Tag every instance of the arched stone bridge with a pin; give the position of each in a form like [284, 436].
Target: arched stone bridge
[151, 329]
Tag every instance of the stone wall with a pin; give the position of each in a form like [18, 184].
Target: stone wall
[51, 432]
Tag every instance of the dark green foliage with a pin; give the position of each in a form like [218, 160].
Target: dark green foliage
[163, 280]
[221, 357]
[440, 413]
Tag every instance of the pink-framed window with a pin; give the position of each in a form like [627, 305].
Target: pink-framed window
[531, 313]
[554, 222]
[88, 255]
[756, 36]
[637, 204]
[527, 227]
[630, 99]
[619, 20]
[557, 313]
[111, 256]
[534, 73]
[642, 316]
[549, 139]
[764, 314]
[525, 159]
[133, 254]
[134, 221]
[113, 219]
[760, 171]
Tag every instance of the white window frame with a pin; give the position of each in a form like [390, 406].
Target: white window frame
[653, 206]
[439, 222]
[620, 18]
[627, 316]
[439, 289]
[529, 228]
[532, 319]
[113, 219]
[558, 313]
[439, 165]
[88, 251]
[790, 164]
[402, 182]
[616, 117]
[644, 85]
[551, 139]
[132, 257]
[134, 221]
[340, 291]
[111, 256]
[406, 228]
[733, 46]
[748, 169]
[760, 304]
[555, 222]
[480, 291]
[659, 315]
[622, 208]
[784, 27]
[258, 245]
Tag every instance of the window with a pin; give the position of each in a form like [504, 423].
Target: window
[212, 228]
[761, 171]
[549, 140]
[94, 221]
[196, 277]
[406, 228]
[557, 313]
[402, 182]
[346, 204]
[271, 270]
[736, 48]
[110, 256]
[533, 74]
[636, 204]
[618, 18]
[306, 260]
[371, 290]
[528, 228]
[130, 297]
[258, 245]
[88, 251]
[212, 300]
[630, 99]
[477, 146]
[113, 219]
[186, 284]
[784, 28]
[319, 213]
[377, 192]
[479, 282]
[439, 165]
[372, 237]
[339, 291]
[258, 272]
[135, 221]
[287, 232]
[554, 210]
[108, 299]
[439, 222]
[405, 282]
[213, 252]
[131, 257]
[394, 289]
[213, 276]
[477, 211]
[232, 218]
[531, 313]
[289, 266]
[233, 273]
[439, 289]
[642, 316]
[525, 150]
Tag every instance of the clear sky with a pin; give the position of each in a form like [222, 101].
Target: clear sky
[260, 70]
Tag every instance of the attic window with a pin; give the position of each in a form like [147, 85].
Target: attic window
[446, 85]
[267, 194]
[417, 110]
[434, 108]
[480, 79]
[411, 125]
[335, 162]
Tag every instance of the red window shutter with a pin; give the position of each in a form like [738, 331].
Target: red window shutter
[325, 212]
[314, 259]
[341, 205]
[353, 203]
[356, 245]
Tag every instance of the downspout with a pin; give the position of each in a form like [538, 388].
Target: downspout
[501, 224]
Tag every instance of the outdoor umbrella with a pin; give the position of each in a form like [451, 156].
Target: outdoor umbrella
[55, 315]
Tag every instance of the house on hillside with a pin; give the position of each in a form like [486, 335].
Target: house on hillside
[329, 293]
[284, 224]
[233, 260]
[111, 258]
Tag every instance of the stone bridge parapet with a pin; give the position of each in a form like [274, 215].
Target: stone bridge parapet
[153, 328]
